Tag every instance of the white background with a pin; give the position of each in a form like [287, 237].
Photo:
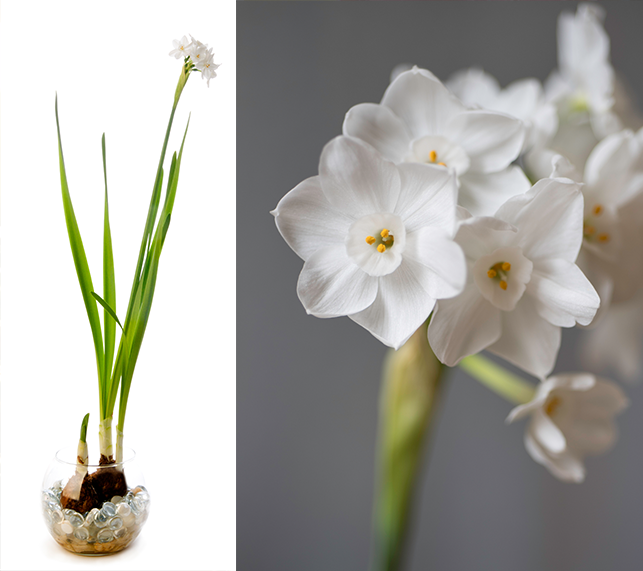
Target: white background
[109, 64]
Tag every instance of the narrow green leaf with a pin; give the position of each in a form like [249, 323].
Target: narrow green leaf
[80, 262]
[83, 428]
[108, 309]
[109, 287]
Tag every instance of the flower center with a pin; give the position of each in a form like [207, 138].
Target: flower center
[589, 226]
[433, 157]
[551, 406]
[491, 274]
[499, 272]
[383, 242]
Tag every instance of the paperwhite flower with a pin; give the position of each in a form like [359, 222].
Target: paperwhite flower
[181, 48]
[617, 341]
[523, 99]
[522, 285]
[583, 86]
[208, 68]
[199, 53]
[377, 239]
[419, 121]
[571, 417]
[612, 253]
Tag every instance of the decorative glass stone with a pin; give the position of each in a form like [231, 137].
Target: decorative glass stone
[66, 527]
[105, 535]
[100, 520]
[57, 516]
[81, 533]
[75, 519]
[117, 499]
[115, 523]
[123, 509]
[92, 515]
[109, 509]
[120, 532]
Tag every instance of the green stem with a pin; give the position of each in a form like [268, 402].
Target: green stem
[411, 381]
[498, 379]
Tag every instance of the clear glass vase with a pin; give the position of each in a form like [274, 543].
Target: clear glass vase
[96, 511]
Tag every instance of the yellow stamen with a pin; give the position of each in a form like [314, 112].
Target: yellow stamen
[604, 237]
[381, 248]
[384, 233]
[370, 240]
[503, 284]
[597, 210]
[492, 273]
[433, 156]
[589, 230]
[506, 266]
[551, 406]
[442, 164]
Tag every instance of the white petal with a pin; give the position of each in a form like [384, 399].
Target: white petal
[547, 433]
[527, 340]
[441, 267]
[604, 399]
[474, 86]
[491, 140]
[549, 218]
[481, 235]
[562, 293]
[483, 193]
[379, 127]
[422, 102]
[400, 307]
[565, 467]
[609, 166]
[428, 197]
[330, 284]
[356, 179]
[463, 326]
[307, 221]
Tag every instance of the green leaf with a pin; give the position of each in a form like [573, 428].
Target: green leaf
[109, 288]
[83, 428]
[108, 309]
[80, 262]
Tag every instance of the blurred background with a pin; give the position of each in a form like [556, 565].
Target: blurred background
[308, 389]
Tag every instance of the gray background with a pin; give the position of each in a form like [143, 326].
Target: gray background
[308, 388]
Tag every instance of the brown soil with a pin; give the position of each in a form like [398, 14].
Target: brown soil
[87, 499]
[108, 482]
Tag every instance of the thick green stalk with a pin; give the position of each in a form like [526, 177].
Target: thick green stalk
[498, 379]
[411, 380]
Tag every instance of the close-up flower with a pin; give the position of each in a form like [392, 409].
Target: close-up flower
[420, 121]
[523, 284]
[523, 99]
[376, 238]
[571, 417]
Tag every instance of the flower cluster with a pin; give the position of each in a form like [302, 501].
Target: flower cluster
[421, 211]
[198, 54]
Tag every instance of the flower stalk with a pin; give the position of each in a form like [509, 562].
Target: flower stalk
[411, 380]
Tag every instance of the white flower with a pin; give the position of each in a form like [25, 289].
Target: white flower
[199, 53]
[523, 99]
[419, 121]
[522, 285]
[612, 253]
[583, 86]
[377, 239]
[181, 48]
[208, 68]
[617, 341]
[571, 417]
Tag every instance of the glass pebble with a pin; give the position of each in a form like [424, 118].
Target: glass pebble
[120, 532]
[100, 520]
[115, 523]
[57, 516]
[66, 527]
[105, 536]
[81, 533]
[109, 509]
[92, 515]
[117, 500]
[123, 509]
[76, 519]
